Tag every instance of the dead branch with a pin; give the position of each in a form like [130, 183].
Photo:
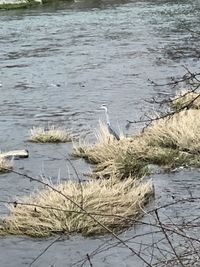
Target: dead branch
[193, 79]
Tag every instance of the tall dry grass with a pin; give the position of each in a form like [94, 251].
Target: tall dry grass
[181, 131]
[104, 147]
[173, 141]
[51, 135]
[122, 165]
[112, 157]
[5, 165]
[185, 98]
[112, 202]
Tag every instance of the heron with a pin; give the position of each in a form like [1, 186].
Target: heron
[111, 131]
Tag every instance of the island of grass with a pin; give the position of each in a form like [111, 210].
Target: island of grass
[172, 141]
[50, 135]
[5, 165]
[115, 194]
[110, 203]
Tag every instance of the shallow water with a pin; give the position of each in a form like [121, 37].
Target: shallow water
[58, 64]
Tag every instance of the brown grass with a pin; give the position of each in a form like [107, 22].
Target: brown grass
[123, 165]
[112, 157]
[5, 165]
[104, 148]
[51, 135]
[181, 132]
[116, 201]
[184, 98]
[170, 142]
[129, 156]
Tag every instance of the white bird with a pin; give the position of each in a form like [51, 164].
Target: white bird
[111, 131]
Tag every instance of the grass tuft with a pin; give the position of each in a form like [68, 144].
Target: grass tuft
[5, 165]
[185, 98]
[51, 135]
[180, 131]
[170, 158]
[113, 203]
[123, 165]
[104, 148]
[112, 157]
[170, 142]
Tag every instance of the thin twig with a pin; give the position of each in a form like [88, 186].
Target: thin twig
[42, 253]
[79, 180]
[168, 240]
[89, 260]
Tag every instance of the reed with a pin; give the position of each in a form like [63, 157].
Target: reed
[5, 165]
[173, 141]
[113, 203]
[186, 98]
[181, 131]
[51, 135]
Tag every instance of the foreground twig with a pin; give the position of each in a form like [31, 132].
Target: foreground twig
[42, 253]
[167, 238]
[79, 180]
[194, 81]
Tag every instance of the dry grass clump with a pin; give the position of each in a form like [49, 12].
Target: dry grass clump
[122, 165]
[112, 203]
[112, 157]
[100, 152]
[51, 135]
[103, 135]
[5, 165]
[170, 158]
[181, 131]
[170, 142]
[104, 148]
[185, 98]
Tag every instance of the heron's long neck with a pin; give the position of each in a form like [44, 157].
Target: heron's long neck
[107, 117]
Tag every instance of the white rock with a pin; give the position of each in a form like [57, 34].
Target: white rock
[15, 154]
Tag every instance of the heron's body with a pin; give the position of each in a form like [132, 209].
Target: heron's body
[111, 131]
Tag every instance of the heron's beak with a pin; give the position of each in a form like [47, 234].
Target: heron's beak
[102, 106]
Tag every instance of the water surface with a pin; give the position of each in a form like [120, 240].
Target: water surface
[58, 64]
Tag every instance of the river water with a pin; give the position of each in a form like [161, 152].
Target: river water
[58, 64]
